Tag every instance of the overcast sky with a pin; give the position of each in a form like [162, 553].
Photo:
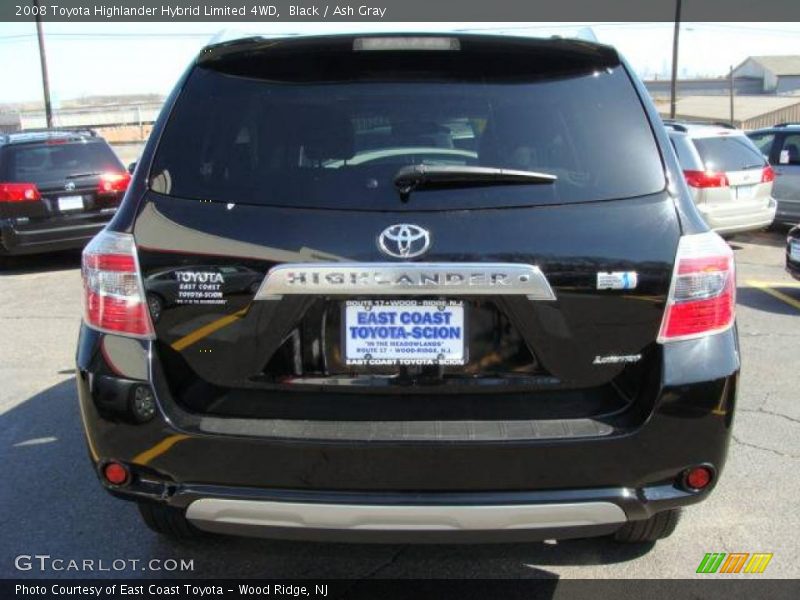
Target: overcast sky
[122, 58]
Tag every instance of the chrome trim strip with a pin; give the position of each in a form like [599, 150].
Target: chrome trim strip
[217, 513]
[405, 279]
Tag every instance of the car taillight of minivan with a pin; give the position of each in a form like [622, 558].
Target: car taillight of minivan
[112, 183]
[113, 294]
[705, 179]
[19, 192]
[702, 296]
[767, 175]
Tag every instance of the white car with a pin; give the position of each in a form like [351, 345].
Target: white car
[730, 179]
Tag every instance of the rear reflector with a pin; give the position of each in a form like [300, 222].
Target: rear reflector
[114, 299]
[116, 473]
[702, 296]
[19, 192]
[705, 179]
[698, 478]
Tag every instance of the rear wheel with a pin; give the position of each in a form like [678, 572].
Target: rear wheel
[168, 521]
[657, 527]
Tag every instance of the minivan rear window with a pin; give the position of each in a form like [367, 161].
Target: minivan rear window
[53, 162]
[338, 144]
[729, 153]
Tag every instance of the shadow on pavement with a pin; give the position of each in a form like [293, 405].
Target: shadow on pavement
[41, 263]
[775, 238]
[758, 299]
[51, 503]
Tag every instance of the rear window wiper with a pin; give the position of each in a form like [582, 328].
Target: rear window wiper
[419, 177]
[76, 175]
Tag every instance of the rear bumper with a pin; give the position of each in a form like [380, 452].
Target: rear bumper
[232, 477]
[400, 522]
[788, 212]
[739, 219]
[50, 235]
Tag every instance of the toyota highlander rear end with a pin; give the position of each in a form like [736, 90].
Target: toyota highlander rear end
[409, 287]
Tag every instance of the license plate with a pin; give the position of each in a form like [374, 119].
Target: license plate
[66, 203]
[745, 192]
[794, 251]
[404, 332]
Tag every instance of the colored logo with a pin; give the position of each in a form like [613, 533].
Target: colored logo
[736, 562]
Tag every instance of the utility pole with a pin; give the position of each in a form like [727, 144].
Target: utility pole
[675, 58]
[731, 89]
[48, 109]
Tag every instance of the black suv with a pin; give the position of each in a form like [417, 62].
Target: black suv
[486, 306]
[58, 188]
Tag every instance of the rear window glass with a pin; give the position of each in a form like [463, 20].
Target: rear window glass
[339, 144]
[729, 153]
[42, 163]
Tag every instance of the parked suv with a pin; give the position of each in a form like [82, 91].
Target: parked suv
[730, 180]
[781, 144]
[473, 320]
[58, 188]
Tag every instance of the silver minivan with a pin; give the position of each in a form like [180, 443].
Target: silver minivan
[781, 144]
[730, 179]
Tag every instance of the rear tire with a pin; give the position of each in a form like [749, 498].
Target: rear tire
[168, 521]
[657, 527]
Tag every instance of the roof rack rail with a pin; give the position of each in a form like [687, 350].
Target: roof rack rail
[76, 130]
[723, 124]
[675, 125]
[787, 125]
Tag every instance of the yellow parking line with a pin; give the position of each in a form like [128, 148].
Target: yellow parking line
[206, 330]
[159, 449]
[783, 284]
[775, 293]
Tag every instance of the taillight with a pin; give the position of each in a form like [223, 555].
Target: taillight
[706, 179]
[19, 192]
[702, 296]
[767, 175]
[111, 183]
[114, 299]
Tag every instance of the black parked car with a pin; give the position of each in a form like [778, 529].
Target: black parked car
[487, 309]
[58, 188]
[793, 252]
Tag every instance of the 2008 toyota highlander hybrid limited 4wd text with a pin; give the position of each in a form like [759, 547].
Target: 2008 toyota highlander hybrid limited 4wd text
[409, 287]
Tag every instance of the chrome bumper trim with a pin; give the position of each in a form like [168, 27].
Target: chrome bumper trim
[214, 514]
[406, 279]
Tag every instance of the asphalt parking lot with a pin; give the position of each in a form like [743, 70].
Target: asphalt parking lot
[51, 503]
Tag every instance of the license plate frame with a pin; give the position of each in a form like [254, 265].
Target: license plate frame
[70, 203]
[383, 345]
[746, 192]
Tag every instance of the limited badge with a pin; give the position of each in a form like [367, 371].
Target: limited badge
[617, 280]
[615, 359]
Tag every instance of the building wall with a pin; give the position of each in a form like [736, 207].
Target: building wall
[790, 114]
[788, 84]
[749, 68]
[706, 87]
